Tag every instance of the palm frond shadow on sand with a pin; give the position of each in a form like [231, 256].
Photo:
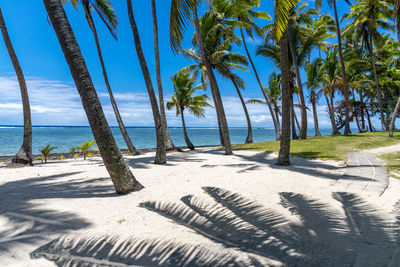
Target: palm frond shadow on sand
[245, 233]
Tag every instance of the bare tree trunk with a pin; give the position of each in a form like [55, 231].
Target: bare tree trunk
[131, 148]
[335, 131]
[284, 151]
[315, 113]
[362, 112]
[185, 134]
[271, 111]
[169, 144]
[121, 176]
[24, 154]
[303, 110]
[219, 106]
[371, 127]
[293, 119]
[161, 157]
[347, 129]
[396, 110]
[249, 138]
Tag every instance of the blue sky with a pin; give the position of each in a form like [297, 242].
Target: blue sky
[54, 98]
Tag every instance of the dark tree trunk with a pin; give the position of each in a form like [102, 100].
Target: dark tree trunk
[249, 138]
[315, 113]
[161, 157]
[219, 106]
[24, 155]
[169, 145]
[393, 120]
[371, 127]
[303, 110]
[277, 112]
[293, 118]
[121, 176]
[335, 131]
[131, 148]
[347, 129]
[378, 89]
[362, 112]
[284, 151]
[271, 111]
[185, 134]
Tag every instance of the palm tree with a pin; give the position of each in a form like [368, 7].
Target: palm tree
[347, 131]
[313, 70]
[107, 14]
[396, 14]
[368, 15]
[121, 176]
[183, 99]
[169, 144]
[182, 12]
[24, 155]
[161, 157]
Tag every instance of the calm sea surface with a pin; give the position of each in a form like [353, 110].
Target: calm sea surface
[66, 137]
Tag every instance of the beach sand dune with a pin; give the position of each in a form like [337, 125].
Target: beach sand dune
[201, 209]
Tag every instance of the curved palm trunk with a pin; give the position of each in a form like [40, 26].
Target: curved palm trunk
[303, 110]
[185, 134]
[315, 113]
[276, 110]
[362, 112]
[293, 118]
[121, 176]
[131, 148]
[370, 125]
[24, 154]
[378, 89]
[392, 121]
[161, 157]
[335, 131]
[169, 145]
[219, 106]
[347, 130]
[284, 151]
[249, 138]
[271, 111]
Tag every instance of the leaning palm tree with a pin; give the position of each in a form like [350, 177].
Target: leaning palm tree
[313, 70]
[169, 144]
[183, 12]
[108, 16]
[161, 157]
[24, 154]
[183, 99]
[121, 176]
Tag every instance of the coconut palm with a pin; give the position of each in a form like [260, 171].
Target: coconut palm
[161, 157]
[108, 16]
[85, 148]
[24, 154]
[183, 12]
[368, 16]
[169, 144]
[184, 99]
[121, 176]
[45, 151]
[313, 70]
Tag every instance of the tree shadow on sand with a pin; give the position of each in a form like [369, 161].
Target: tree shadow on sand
[24, 221]
[245, 233]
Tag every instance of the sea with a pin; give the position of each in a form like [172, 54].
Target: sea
[66, 137]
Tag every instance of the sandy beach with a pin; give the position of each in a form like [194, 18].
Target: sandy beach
[202, 208]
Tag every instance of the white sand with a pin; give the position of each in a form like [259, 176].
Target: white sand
[75, 200]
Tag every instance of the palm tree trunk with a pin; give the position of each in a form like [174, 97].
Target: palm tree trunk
[303, 110]
[371, 127]
[335, 131]
[161, 157]
[293, 119]
[315, 113]
[362, 111]
[219, 106]
[271, 111]
[347, 129]
[24, 154]
[169, 144]
[249, 138]
[121, 176]
[277, 112]
[378, 89]
[396, 110]
[284, 151]
[131, 148]
[185, 134]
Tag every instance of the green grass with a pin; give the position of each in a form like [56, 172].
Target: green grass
[392, 162]
[328, 147]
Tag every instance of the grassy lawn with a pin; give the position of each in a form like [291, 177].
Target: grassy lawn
[392, 162]
[328, 147]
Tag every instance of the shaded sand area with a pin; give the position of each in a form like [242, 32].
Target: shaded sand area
[201, 209]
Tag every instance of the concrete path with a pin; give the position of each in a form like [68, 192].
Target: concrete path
[365, 173]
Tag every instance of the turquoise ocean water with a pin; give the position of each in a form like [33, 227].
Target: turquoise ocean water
[65, 137]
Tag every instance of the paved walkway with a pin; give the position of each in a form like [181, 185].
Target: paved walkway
[364, 172]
